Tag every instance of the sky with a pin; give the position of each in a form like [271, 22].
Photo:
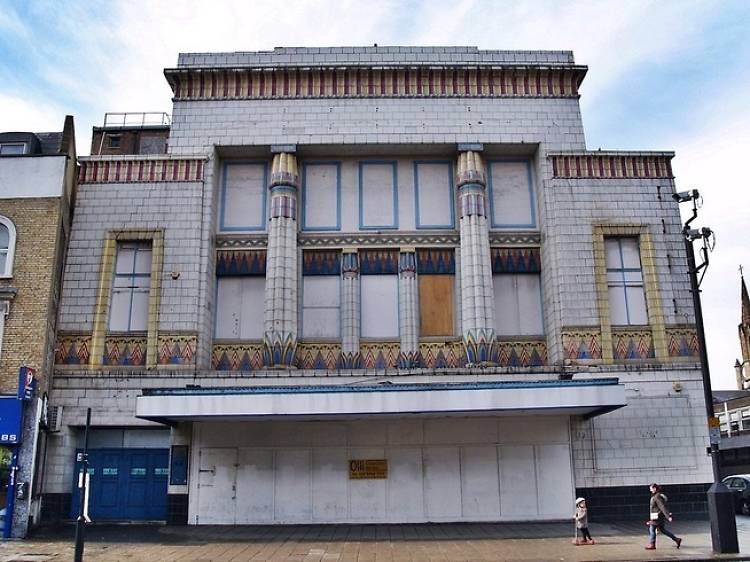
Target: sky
[663, 75]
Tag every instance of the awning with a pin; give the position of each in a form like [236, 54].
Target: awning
[588, 398]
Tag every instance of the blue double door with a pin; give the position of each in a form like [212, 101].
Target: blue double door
[126, 485]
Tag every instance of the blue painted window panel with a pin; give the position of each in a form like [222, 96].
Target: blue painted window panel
[378, 195]
[178, 470]
[244, 189]
[518, 304]
[433, 194]
[321, 196]
[627, 298]
[131, 287]
[511, 194]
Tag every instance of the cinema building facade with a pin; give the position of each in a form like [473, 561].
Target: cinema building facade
[377, 284]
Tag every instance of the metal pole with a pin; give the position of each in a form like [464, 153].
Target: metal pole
[81, 521]
[720, 499]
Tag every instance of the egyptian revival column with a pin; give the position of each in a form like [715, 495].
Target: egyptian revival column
[477, 294]
[280, 324]
[408, 308]
[350, 319]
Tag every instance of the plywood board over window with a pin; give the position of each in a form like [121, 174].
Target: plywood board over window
[436, 305]
[436, 268]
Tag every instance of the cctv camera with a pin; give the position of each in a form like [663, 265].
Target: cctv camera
[684, 196]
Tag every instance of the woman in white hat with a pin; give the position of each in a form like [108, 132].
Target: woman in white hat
[582, 523]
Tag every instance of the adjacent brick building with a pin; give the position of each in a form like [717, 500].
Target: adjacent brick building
[378, 284]
[38, 174]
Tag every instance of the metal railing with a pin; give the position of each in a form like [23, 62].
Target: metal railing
[137, 119]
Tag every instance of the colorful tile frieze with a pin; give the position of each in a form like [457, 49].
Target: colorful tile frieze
[301, 83]
[237, 357]
[683, 342]
[448, 355]
[177, 349]
[521, 353]
[516, 260]
[240, 262]
[630, 345]
[326, 356]
[380, 355]
[140, 171]
[582, 345]
[72, 349]
[436, 261]
[611, 166]
[124, 351]
[321, 262]
[378, 262]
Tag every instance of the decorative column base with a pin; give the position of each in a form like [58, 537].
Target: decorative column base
[279, 349]
[409, 360]
[481, 347]
[351, 360]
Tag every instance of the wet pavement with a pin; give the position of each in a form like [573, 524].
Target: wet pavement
[448, 542]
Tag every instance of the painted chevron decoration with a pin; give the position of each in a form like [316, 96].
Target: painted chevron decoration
[516, 260]
[240, 262]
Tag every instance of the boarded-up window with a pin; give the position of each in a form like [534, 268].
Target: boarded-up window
[518, 304]
[321, 294]
[131, 287]
[240, 303]
[436, 268]
[379, 306]
[321, 204]
[243, 197]
[436, 305]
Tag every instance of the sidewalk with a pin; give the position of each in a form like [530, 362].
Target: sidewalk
[541, 542]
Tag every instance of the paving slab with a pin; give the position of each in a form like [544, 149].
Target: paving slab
[433, 542]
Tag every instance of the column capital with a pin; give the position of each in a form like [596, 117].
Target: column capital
[284, 170]
[470, 169]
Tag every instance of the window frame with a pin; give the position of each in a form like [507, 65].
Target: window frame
[623, 282]
[137, 244]
[23, 146]
[10, 251]
[514, 276]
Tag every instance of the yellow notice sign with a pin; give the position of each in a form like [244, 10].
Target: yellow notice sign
[365, 469]
[713, 422]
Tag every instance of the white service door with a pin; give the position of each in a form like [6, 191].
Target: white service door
[216, 485]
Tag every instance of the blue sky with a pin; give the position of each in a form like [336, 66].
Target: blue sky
[667, 75]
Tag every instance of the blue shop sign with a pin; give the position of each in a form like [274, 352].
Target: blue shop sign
[10, 420]
[26, 383]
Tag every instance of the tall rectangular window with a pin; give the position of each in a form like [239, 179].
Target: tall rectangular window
[240, 302]
[321, 294]
[240, 294]
[627, 298]
[378, 286]
[436, 268]
[131, 288]
[518, 304]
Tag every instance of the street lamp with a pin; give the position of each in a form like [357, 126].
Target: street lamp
[720, 499]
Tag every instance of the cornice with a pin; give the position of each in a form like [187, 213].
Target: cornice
[375, 81]
[140, 170]
[612, 165]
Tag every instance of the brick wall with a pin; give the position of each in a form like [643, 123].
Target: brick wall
[26, 337]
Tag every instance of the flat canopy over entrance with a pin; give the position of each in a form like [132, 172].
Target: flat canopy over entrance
[568, 397]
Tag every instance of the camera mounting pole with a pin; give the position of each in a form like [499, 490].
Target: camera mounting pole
[720, 498]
